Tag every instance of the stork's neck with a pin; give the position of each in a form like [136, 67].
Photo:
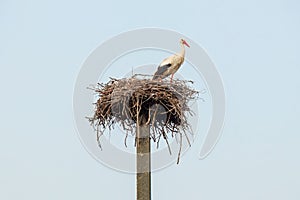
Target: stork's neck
[182, 52]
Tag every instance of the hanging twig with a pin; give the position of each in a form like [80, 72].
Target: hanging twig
[165, 106]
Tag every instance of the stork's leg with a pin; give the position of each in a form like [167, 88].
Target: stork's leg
[172, 77]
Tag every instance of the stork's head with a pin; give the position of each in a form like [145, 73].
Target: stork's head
[182, 41]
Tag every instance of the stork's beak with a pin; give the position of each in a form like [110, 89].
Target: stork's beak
[185, 43]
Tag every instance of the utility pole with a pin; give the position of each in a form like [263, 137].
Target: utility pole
[143, 160]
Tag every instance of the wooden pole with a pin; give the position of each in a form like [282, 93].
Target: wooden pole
[143, 160]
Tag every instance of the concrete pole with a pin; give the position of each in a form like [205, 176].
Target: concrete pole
[143, 160]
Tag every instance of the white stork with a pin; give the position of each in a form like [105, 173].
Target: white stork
[171, 64]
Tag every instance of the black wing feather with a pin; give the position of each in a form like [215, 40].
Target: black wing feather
[160, 71]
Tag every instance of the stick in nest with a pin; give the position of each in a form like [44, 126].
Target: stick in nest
[163, 104]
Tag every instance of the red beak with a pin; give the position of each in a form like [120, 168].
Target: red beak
[185, 43]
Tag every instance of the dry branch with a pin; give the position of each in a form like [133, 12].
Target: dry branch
[163, 104]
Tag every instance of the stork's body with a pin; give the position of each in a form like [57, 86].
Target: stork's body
[170, 65]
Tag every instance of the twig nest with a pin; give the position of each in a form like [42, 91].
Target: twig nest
[162, 105]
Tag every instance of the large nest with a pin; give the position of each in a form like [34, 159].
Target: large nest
[162, 105]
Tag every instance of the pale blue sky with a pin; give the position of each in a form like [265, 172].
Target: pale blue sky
[255, 45]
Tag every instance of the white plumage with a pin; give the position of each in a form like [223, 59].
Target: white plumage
[170, 65]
